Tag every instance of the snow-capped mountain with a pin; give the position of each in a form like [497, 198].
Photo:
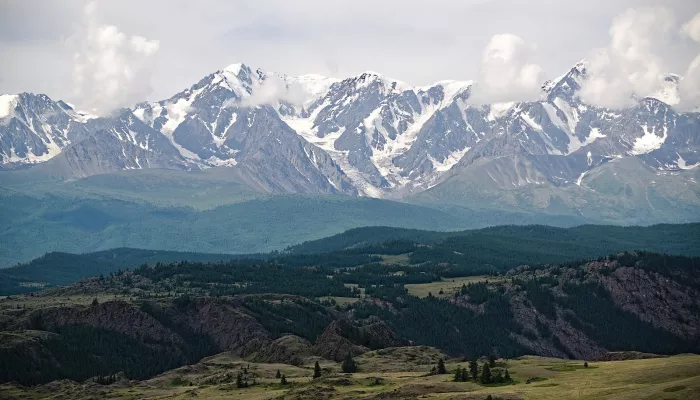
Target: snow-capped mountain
[34, 128]
[364, 135]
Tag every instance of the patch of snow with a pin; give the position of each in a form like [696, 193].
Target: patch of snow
[580, 179]
[177, 112]
[450, 161]
[534, 125]
[570, 113]
[649, 142]
[682, 164]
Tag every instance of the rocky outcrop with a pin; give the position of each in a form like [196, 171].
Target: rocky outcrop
[229, 327]
[341, 338]
[289, 349]
[659, 300]
[117, 316]
[333, 345]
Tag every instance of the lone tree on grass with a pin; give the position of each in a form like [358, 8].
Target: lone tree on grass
[278, 374]
[283, 380]
[317, 370]
[348, 366]
[441, 367]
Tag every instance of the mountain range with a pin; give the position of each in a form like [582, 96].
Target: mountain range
[369, 135]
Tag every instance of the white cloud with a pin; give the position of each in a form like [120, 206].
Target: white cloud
[111, 69]
[692, 28]
[689, 86]
[629, 67]
[271, 91]
[507, 73]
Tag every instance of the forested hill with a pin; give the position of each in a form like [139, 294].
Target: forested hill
[154, 318]
[592, 240]
[57, 268]
[488, 250]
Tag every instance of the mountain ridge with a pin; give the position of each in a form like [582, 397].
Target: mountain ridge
[369, 135]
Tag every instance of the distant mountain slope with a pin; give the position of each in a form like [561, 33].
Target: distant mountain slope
[482, 250]
[569, 243]
[56, 268]
[31, 226]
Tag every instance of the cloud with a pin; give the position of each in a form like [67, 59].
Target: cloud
[111, 69]
[692, 28]
[689, 86]
[629, 68]
[507, 73]
[271, 91]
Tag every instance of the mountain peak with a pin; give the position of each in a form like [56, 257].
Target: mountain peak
[236, 69]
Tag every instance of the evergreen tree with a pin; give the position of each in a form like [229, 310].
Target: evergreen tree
[348, 366]
[465, 375]
[507, 377]
[239, 380]
[498, 377]
[458, 375]
[283, 380]
[278, 375]
[441, 367]
[486, 374]
[492, 361]
[474, 369]
[95, 302]
[317, 370]
[585, 364]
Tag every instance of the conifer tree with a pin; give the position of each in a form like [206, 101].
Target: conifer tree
[486, 374]
[317, 370]
[348, 365]
[283, 380]
[441, 367]
[458, 374]
[507, 377]
[474, 369]
[278, 375]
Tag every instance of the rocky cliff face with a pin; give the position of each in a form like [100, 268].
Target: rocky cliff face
[666, 301]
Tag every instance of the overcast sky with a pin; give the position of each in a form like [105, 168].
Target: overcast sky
[156, 48]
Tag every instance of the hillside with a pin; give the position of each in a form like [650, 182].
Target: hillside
[339, 303]
[487, 250]
[592, 240]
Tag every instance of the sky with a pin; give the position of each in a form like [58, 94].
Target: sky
[105, 54]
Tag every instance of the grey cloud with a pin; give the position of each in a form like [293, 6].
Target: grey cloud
[415, 41]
